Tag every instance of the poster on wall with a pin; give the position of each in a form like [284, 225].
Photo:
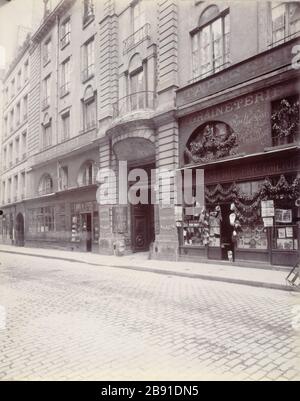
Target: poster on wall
[268, 221]
[267, 208]
[119, 216]
[283, 215]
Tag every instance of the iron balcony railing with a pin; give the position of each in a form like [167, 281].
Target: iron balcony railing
[135, 101]
[137, 37]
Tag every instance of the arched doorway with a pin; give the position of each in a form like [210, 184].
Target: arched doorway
[20, 230]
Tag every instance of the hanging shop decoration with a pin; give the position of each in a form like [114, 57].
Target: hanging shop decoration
[210, 142]
[247, 207]
[285, 120]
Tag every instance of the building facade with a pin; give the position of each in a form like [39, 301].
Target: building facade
[167, 85]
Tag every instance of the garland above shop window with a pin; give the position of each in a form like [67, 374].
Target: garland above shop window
[248, 206]
[213, 141]
[285, 120]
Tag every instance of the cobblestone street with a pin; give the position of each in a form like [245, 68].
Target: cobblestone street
[70, 321]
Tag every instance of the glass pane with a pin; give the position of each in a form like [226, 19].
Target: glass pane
[217, 44]
[294, 17]
[205, 50]
[278, 23]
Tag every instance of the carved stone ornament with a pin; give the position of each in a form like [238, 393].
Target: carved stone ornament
[210, 142]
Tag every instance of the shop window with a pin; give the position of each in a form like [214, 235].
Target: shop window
[41, 220]
[285, 21]
[45, 185]
[210, 43]
[285, 120]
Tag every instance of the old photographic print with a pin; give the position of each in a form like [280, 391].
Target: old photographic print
[149, 193]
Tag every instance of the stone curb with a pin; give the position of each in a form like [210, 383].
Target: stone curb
[261, 284]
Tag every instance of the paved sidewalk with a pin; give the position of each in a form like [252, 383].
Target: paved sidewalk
[257, 277]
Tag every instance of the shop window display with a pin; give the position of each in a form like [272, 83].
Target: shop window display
[284, 232]
[252, 237]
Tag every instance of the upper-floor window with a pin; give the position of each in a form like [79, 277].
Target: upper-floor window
[137, 90]
[138, 16]
[6, 95]
[4, 157]
[13, 89]
[24, 145]
[47, 51]
[18, 114]
[65, 123]
[65, 33]
[285, 21]
[12, 120]
[5, 125]
[25, 107]
[285, 120]
[46, 91]
[45, 185]
[17, 149]
[63, 178]
[65, 77]
[26, 71]
[88, 11]
[89, 109]
[19, 76]
[88, 59]
[210, 43]
[87, 174]
[47, 136]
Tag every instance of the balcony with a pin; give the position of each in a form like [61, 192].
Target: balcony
[65, 89]
[15, 198]
[137, 101]
[87, 73]
[22, 196]
[137, 37]
[45, 103]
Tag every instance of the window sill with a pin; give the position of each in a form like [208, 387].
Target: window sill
[87, 21]
[64, 94]
[46, 62]
[64, 45]
[86, 79]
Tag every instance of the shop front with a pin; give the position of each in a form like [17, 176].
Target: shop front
[251, 212]
[67, 220]
[248, 149]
